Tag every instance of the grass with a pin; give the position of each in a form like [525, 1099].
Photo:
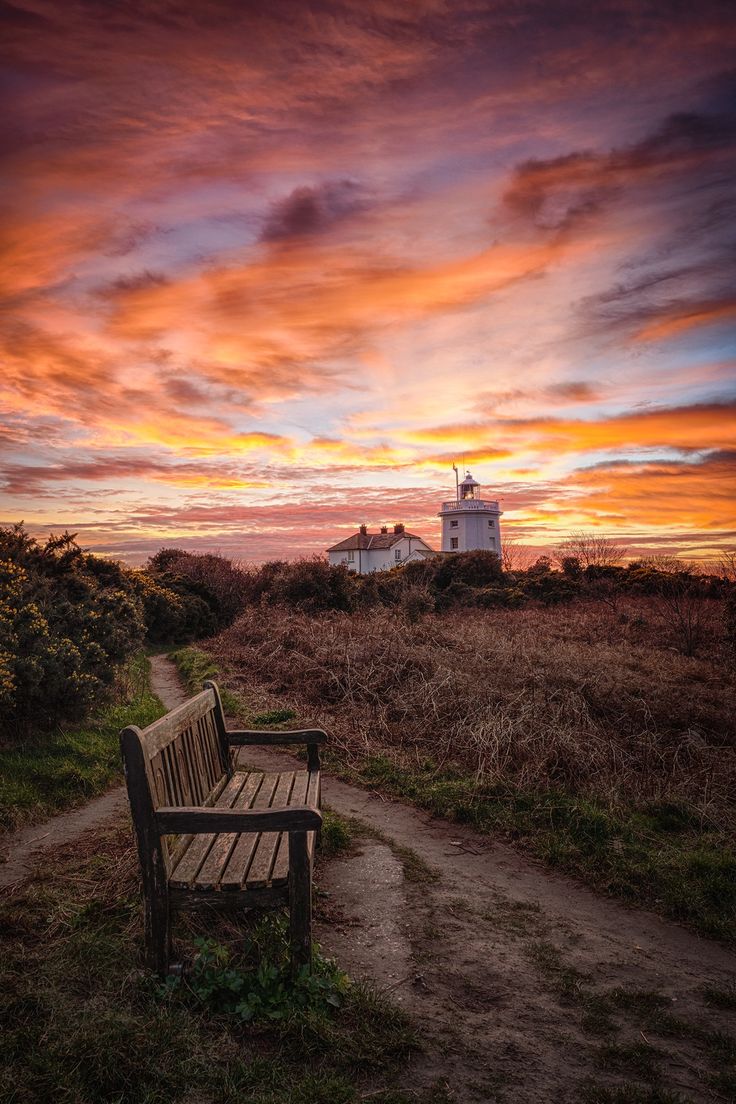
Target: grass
[658, 852]
[78, 996]
[721, 996]
[194, 666]
[646, 844]
[642, 1015]
[57, 771]
[687, 874]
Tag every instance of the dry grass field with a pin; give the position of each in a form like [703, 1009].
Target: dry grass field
[582, 731]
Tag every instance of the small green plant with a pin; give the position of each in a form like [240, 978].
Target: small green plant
[256, 985]
[337, 834]
[274, 716]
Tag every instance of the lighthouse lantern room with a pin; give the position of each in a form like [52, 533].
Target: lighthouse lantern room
[470, 522]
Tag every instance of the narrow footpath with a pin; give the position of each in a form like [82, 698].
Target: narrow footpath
[503, 964]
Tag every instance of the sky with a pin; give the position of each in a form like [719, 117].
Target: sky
[270, 268]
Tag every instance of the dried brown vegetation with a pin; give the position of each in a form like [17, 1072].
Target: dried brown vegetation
[581, 698]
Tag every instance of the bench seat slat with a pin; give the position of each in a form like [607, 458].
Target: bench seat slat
[259, 873]
[211, 871]
[280, 872]
[234, 873]
[190, 861]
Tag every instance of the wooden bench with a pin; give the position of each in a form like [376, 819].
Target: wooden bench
[210, 835]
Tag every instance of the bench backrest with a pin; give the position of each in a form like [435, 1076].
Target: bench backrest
[181, 759]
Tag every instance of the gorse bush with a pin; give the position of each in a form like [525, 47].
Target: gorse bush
[66, 620]
[215, 581]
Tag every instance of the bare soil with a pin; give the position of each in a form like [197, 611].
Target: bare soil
[498, 960]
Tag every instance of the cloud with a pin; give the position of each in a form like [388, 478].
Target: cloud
[680, 495]
[700, 426]
[312, 210]
[559, 193]
[250, 242]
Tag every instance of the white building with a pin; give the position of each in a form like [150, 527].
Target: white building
[470, 522]
[364, 552]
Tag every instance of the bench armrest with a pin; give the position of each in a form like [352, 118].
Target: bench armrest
[294, 736]
[312, 737]
[195, 820]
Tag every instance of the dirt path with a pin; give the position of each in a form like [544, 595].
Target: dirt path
[518, 978]
[19, 850]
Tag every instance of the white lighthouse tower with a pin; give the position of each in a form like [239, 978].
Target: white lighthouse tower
[470, 522]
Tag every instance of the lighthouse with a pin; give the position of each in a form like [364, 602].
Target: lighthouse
[470, 522]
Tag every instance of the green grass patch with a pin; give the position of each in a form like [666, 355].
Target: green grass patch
[721, 996]
[85, 1022]
[655, 856]
[61, 769]
[338, 834]
[195, 666]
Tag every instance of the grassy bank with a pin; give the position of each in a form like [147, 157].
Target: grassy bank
[80, 995]
[656, 855]
[67, 767]
[575, 732]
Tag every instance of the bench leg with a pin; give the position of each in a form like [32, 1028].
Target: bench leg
[158, 933]
[300, 902]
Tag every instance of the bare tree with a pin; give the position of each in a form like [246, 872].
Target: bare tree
[515, 556]
[727, 566]
[591, 549]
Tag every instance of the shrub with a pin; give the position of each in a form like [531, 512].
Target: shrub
[200, 578]
[313, 586]
[66, 620]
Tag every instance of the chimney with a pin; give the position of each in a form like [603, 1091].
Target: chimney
[399, 527]
[384, 529]
[364, 530]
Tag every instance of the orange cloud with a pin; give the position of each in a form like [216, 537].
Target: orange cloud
[686, 317]
[701, 426]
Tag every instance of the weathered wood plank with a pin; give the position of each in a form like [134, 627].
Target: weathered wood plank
[300, 902]
[241, 737]
[314, 790]
[151, 852]
[212, 869]
[259, 874]
[234, 875]
[193, 900]
[175, 819]
[298, 796]
[179, 844]
[188, 865]
[219, 718]
[163, 731]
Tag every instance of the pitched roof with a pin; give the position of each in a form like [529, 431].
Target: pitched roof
[369, 542]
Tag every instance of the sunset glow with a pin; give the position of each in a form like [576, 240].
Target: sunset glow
[271, 268]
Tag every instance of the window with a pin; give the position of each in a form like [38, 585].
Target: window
[397, 554]
[492, 542]
[351, 557]
[453, 542]
[453, 525]
[491, 525]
